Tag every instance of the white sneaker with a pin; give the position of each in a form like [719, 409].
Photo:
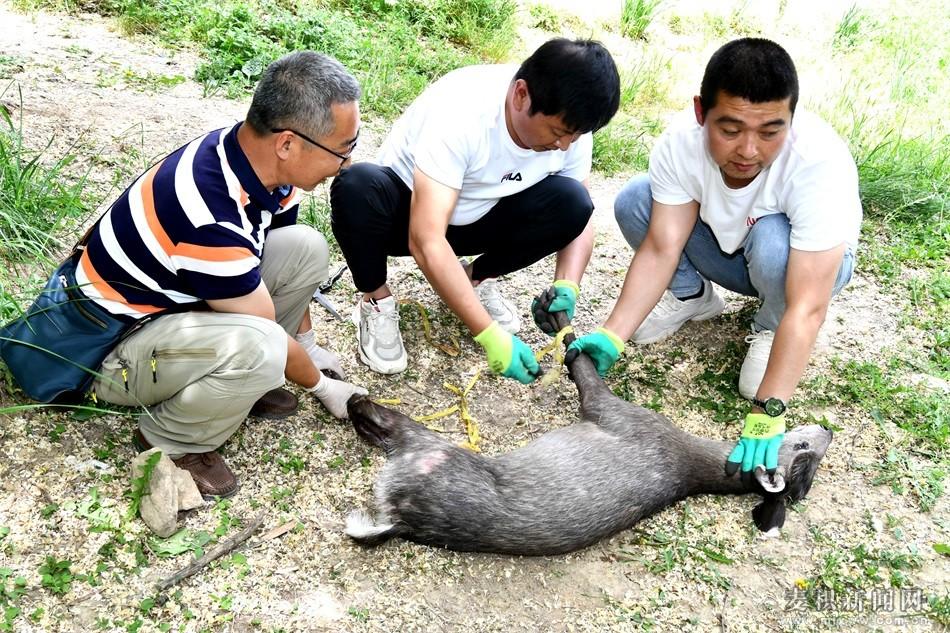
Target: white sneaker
[378, 337]
[499, 308]
[670, 314]
[756, 360]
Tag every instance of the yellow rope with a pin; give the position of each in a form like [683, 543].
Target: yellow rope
[452, 350]
[556, 347]
[471, 427]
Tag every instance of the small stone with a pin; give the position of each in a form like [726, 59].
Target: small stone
[170, 489]
[189, 497]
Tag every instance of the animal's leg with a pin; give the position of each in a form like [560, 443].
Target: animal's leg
[593, 391]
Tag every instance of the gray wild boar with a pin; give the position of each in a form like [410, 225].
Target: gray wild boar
[567, 489]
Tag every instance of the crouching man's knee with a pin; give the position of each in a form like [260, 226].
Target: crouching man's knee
[257, 355]
[295, 252]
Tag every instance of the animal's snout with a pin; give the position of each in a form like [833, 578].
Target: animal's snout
[359, 406]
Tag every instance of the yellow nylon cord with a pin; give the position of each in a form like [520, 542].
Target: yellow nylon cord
[452, 350]
[471, 427]
[557, 348]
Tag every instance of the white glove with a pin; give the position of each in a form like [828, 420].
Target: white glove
[334, 394]
[320, 357]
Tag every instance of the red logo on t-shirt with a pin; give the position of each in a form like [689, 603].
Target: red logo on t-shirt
[750, 221]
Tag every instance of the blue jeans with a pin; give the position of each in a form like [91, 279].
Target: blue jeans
[756, 270]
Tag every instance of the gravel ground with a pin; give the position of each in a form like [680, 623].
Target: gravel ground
[63, 480]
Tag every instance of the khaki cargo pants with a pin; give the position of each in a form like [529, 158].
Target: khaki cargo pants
[199, 373]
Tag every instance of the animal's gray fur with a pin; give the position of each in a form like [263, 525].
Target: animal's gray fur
[567, 489]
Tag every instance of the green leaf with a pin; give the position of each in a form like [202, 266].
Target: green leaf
[178, 543]
[83, 414]
[716, 556]
[182, 541]
[942, 548]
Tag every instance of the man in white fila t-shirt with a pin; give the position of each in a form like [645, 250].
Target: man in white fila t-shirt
[490, 161]
[746, 192]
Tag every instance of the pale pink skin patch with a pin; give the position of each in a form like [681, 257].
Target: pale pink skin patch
[430, 462]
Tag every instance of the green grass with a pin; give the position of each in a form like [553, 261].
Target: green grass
[899, 471]
[687, 550]
[878, 391]
[916, 464]
[545, 18]
[896, 77]
[847, 570]
[622, 146]
[636, 16]
[394, 48]
[851, 27]
[39, 197]
[315, 212]
[9, 66]
[36, 195]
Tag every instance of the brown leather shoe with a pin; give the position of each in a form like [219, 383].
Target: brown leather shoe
[275, 404]
[209, 470]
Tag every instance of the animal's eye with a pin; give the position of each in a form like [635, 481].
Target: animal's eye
[801, 446]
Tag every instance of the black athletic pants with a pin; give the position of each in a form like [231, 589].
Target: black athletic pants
[370, 219]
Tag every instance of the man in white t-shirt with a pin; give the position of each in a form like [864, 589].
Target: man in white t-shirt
[764, 203]
[490, 161]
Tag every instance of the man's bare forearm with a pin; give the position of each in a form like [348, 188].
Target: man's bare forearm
[572, 260]
[441, 267]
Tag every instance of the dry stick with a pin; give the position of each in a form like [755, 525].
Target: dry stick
[219, 551]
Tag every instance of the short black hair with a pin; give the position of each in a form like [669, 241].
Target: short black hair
[750, 68]
[576, 80]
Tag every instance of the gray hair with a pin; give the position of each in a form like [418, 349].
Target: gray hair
[297, 91]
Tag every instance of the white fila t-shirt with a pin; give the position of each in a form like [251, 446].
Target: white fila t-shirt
[455, 133]
[813, 181]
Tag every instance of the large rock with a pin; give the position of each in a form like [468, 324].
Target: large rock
[170, 490]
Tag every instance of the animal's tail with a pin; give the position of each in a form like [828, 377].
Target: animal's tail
[362, 528]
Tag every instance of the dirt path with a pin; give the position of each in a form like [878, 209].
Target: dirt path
[59, 478]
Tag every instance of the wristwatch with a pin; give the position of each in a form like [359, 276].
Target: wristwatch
[773, 407]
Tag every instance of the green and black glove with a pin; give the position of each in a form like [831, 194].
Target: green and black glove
[565, 295]
[758, 445]
[603, 346]
[508, 355]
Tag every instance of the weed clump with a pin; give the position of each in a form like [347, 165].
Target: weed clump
[395, 48]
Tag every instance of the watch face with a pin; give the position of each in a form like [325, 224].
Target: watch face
[774, 407]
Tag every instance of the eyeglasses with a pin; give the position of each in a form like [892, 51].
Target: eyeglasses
[343, 157]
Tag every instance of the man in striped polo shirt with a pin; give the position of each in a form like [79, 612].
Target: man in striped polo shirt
[209, 234]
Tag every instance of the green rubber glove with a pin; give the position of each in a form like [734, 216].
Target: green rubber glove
[508, 355]
[761, 438]
[565, 299]
[603, 346]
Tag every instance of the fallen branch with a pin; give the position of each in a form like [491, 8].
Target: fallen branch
[227, 546]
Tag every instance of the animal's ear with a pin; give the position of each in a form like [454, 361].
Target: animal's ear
[770, 483]
[769, 516]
